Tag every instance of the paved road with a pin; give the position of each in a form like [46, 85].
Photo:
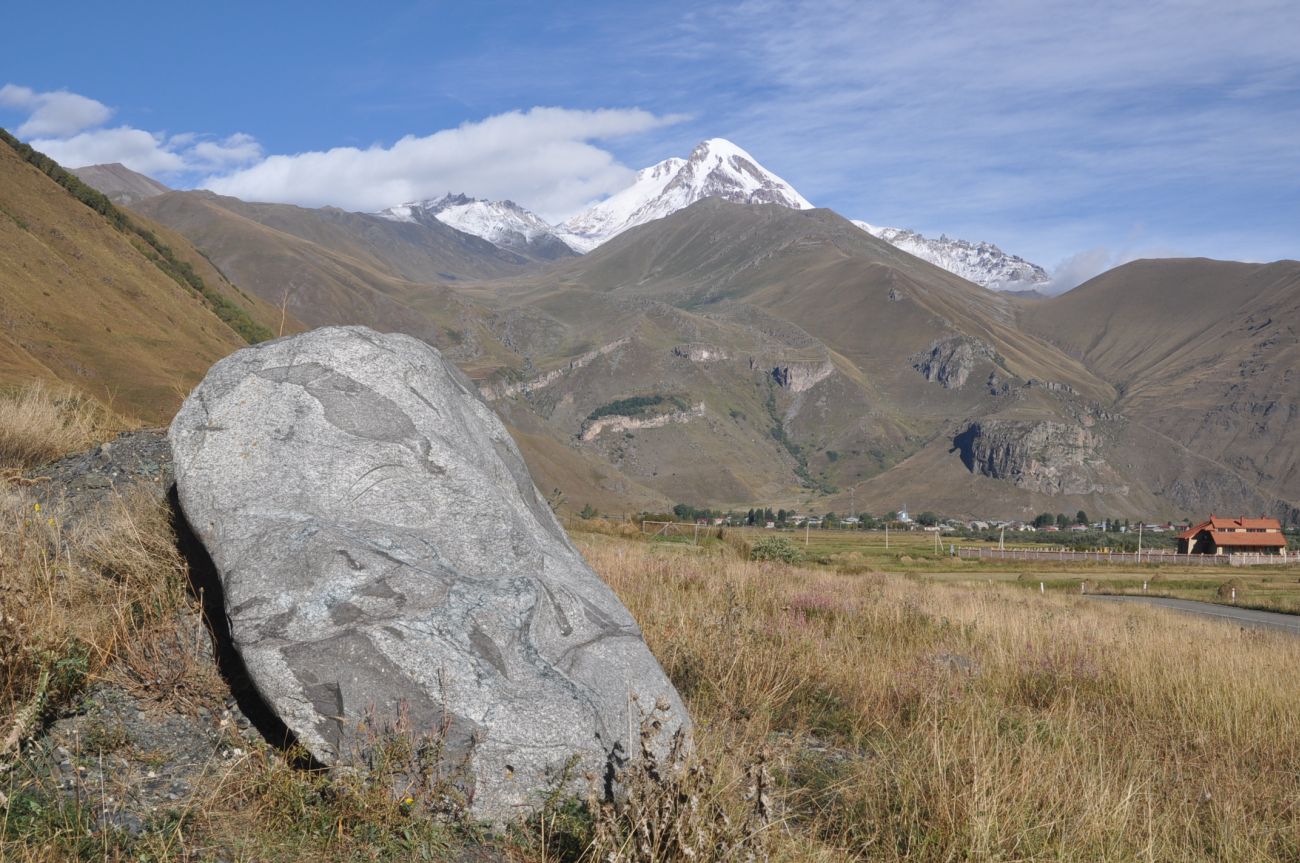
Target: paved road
[1227, 613]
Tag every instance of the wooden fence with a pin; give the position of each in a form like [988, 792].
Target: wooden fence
[1129, 557]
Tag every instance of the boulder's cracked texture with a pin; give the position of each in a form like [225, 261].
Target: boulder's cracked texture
[388, 565]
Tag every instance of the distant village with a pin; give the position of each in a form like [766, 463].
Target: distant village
[1217, 535]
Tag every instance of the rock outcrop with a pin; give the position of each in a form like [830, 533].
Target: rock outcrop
[950, 361]
[508, 389]
[700, 353]
[800, 376]
[1043, 456]
[389, 569]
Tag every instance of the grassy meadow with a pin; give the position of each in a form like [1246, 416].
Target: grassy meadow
[913, 554]
[868, 704]
[918, 720]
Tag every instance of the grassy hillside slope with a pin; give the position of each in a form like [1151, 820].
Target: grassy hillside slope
[834, 370]
[90, 301]
[1203, 355]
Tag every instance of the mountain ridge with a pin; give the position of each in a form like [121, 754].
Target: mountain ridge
[980, 262]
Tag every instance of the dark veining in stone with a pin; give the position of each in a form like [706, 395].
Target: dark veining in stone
[389, 568]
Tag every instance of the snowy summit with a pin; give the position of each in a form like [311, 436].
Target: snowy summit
[716, 168]
[503, 223]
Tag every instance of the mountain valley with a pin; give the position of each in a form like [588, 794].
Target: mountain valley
[721, 342]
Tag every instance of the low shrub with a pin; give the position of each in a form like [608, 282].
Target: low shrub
[776, 548]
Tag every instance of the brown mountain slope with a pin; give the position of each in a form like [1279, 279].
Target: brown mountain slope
[331, 267]
[760, 354]
[83, 303]
[120, 183]
[1204, 355]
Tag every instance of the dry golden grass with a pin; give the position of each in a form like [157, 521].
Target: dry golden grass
[39, 423]
[838, 717]
[929, 722]
[75, 600]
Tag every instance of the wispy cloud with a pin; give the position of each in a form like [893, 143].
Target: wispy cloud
[958, 117]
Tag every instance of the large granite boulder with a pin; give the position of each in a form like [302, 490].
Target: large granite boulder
[390, 571]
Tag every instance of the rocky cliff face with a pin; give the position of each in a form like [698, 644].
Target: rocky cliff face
[950, 361]
[1042, 456]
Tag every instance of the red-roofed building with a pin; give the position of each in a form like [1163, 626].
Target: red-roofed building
[1233, 536]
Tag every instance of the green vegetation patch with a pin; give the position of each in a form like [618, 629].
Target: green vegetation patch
[635, 406]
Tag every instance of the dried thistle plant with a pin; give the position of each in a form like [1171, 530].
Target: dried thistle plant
[667, 805]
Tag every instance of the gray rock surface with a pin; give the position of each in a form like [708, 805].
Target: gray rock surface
[950, 361]
[389, 566]
[1039, 455]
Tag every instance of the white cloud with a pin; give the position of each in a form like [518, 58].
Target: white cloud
[237, 149]
[542, 158]
[137, 149]
[1082, 266]
[56, 113]
[1079, 268]
[69, 128]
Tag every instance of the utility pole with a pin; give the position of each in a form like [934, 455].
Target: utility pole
[1139, 541]
[886, 533]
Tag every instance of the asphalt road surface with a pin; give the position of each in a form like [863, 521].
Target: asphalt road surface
[1226, 613]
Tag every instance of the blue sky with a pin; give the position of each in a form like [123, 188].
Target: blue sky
[1076, 136]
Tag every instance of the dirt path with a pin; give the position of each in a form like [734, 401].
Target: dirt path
[1226, 613]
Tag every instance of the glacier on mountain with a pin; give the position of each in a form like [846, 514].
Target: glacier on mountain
[982, 263]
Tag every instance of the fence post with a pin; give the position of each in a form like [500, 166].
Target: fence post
[1042, 588]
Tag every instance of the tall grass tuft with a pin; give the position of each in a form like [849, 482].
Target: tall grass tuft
[75, 600]
[40, 423]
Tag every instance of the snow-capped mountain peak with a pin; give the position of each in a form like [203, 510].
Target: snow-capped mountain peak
[715, 168]
[503, 223]
[982, 263]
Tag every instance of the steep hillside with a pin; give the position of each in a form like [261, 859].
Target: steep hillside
[96, 300]
[329, 267]
[1204, 356]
